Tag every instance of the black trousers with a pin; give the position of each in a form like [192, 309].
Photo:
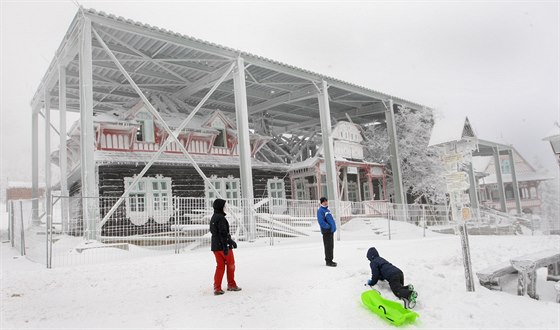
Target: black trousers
[328, 243]
[396, 282]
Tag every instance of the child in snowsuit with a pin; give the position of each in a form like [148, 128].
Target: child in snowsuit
[381, 269]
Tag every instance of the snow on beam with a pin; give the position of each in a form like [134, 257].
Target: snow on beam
[302, 94]
[201, 84]
[148, 59]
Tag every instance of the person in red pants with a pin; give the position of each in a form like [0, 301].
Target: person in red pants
[222, 245]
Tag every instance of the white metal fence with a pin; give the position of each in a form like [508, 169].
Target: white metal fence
[179, 225]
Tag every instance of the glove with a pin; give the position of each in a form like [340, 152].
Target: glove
[226, 250]
[232, 244]
[370, 282]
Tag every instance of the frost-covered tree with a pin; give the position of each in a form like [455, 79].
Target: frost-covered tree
[549, 193]
[421, 167]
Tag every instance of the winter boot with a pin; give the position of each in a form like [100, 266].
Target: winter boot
[218, 292]
[234, 288]
[410, 302]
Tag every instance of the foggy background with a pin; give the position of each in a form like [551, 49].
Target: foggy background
[497, 62]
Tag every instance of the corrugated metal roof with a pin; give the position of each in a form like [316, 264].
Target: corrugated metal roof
[182, 60]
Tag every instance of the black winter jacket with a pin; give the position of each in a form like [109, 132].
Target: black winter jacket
[219, 227]
[381, 269]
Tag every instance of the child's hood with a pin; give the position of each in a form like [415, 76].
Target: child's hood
[372, 253]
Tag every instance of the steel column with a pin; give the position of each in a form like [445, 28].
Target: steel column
[394, 150]
[328, 151]
[87, 134]
[514, 182]
[473, 188]
[48, 205]
[35, 165]
[245, 169]
[63, 160]
[498, 167]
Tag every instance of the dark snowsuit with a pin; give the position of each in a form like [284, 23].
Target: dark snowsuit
[381, 269]
[221, 245]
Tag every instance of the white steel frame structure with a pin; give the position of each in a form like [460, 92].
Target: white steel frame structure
[107, 63]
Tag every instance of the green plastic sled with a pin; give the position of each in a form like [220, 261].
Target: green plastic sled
[389, 310]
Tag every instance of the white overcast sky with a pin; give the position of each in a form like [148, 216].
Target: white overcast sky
[496, 62]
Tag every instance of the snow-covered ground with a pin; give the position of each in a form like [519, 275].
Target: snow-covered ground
[284, 286]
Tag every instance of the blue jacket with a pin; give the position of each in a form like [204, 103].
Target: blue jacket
[325, 219]
[381, 269]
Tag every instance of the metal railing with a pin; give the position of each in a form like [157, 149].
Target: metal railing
[161, 225]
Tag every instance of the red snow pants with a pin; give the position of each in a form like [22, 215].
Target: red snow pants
[221, 262]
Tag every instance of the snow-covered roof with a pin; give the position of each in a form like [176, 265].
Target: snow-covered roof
[179, 85]
[119, 157]
[554, 134]
[310, 162]
[521, 177]
[450, 130]
[481, 163]
[21, 184]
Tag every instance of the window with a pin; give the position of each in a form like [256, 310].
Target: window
[352, 191]
[367, 195]
[221, 138]
[150, 198]
[145, 132]
[277, 194]
[505, 166]
[228, 188]
[301, 192]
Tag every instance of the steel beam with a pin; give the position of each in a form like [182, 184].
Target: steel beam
[201, 84]
[302, 94]
[172, 135]
[245, 168]
[514, 182]
[473, 188]
[328, 152]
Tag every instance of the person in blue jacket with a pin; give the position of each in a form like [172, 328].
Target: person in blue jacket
[328, 228]
[381, 270]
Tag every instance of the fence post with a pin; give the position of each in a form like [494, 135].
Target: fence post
[11, 223]
[271, 222]
[49, 231]
[389, 221]
[22, 230]
[424, 218]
